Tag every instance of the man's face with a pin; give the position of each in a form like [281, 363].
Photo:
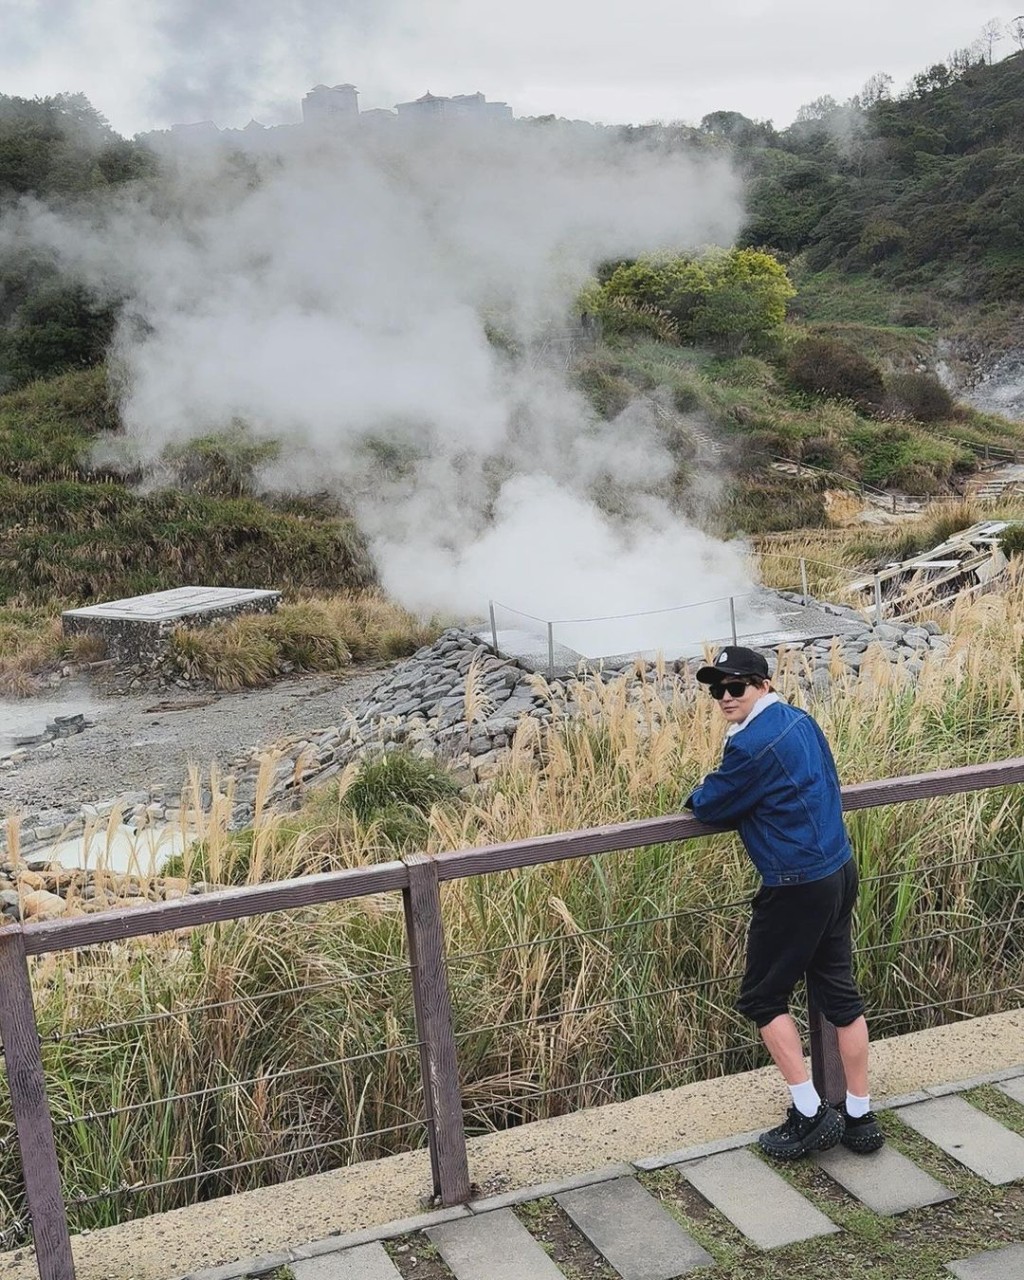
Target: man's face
[736, 707]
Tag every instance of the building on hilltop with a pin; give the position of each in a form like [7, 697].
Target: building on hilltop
[329, 106]
[463, 106]
[428, 107]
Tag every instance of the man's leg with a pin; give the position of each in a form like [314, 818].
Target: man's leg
[853, 1049]
[782, 1040]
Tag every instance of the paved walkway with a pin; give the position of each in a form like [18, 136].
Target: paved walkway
[631, 1230]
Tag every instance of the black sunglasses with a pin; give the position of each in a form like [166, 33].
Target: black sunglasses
[734, 688]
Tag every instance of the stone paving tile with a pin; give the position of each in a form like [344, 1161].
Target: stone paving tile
[626, 1224]
[506, 1199]
[1015, 1089]
[492, 1246]
[998, 1264]
[885, 1181]
[768, 1211]
[364, 1262]
[986, 1147]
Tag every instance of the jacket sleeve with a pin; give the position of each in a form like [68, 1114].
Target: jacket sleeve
[728, 794]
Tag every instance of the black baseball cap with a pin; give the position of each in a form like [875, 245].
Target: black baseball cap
[734, 661]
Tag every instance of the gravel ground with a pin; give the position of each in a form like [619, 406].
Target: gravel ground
[146, 740]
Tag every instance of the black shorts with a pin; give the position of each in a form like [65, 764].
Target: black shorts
[802, 930]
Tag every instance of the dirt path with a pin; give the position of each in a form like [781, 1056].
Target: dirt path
[146, 740]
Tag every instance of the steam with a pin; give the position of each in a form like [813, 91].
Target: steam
[334, 296]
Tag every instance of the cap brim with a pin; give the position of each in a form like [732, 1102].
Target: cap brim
[708, 675]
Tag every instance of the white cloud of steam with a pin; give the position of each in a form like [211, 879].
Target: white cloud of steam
[339, 298]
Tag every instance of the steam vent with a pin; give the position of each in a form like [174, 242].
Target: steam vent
[136, 630]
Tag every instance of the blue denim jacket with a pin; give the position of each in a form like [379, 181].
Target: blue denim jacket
[777, 784]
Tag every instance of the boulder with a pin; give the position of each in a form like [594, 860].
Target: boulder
[42, 905]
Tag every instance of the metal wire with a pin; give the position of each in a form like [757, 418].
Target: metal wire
[936, 937]
[935, 866]
[600, 1004]
[90, 1116]
[618, 1075]
[80, 1033]
[605, 928]
[891, 1015]
[137, 1188]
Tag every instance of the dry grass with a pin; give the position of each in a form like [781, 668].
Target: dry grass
[574, 984]
[319, 633]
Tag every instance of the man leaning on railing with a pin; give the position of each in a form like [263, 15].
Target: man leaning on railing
[777, 784]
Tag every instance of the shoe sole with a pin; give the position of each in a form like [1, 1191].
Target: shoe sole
[863, 1145]
[825, 1139]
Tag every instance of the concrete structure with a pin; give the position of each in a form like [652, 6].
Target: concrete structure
[328, 108]
[136, 630]
[325, 107]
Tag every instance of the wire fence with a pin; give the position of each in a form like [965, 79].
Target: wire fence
[618, 1007]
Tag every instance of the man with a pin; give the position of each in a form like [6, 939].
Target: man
[777, 784]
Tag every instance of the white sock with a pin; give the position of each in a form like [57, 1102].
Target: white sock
[857, 1107]
[805, 1098]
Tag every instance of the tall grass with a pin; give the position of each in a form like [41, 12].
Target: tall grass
[573, 984]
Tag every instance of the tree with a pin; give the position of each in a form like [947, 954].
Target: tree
[991, 33]
[820, 109]
[58, 328]
[1015, 30]
[876, 89]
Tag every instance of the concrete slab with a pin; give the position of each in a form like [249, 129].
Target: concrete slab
[768, 1211]
[626, 1224]
[997, 1264]
[886, 1181]
[366, 1262]
[986, 1147]
[507, 1199]
[493, 1246]
[136, 627]
[1014, 1089]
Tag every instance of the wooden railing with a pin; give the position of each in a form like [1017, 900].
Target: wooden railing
[418, 878]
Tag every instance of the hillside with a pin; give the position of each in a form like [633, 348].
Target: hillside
[925, 191]
[74, 531]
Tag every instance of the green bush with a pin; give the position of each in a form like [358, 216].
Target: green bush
[919, 396]
[1012, 540]
[397, 790]
[826, 367]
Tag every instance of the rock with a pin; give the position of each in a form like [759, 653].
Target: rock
[31, 881]
[42, 905]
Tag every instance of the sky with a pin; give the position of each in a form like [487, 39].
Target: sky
[148, 64]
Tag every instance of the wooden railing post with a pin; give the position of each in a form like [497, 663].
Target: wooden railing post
[27, 1085]
[439, 1064]
[826, 1064]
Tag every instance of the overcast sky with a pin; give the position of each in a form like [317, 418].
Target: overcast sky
[151, 63]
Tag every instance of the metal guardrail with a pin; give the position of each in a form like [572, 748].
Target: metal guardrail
[418, 878]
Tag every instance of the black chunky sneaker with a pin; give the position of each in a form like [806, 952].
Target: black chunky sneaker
[862, 1133]
[798, 1134]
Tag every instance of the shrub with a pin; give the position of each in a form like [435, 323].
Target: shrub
[826, 367]
[608, 394]
[1011, 542]
[307, 638]
[397, 790]
[919, 396]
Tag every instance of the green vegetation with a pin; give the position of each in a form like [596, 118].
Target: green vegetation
[58, 149]
[728, 300]
[72, 530]
[920, 190]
